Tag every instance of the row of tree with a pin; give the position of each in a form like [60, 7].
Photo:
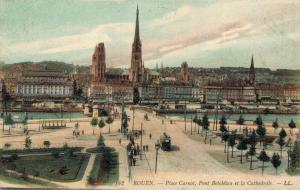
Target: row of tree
[101, 124]
[248, 142]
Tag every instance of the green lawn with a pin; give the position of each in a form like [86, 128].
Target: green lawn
[295, 172]
[14, 179]
[105, 171]
[47, 166]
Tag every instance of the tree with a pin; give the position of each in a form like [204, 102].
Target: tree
[261, 131]
[47, 144]
[281, 142]
[282, 133]
[258, 121]
[263, 157]
[109, 121]
[25, 121]
[124, 124]
[8, 121]
[94, 123]
[276, 161]
[275, 125]
[5, 100]
[240, 121]
[251, 152]
[199, 123]
[222, 123]
[223, 120]
[28, 142]
[225, 137]
[101, 124]
[205, 123]
[252, 139]
[232, 143]
[242, 145]
[292, 124]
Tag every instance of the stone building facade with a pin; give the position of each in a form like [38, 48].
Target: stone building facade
[43, 84]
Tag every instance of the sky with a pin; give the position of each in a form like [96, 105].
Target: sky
[205, 33]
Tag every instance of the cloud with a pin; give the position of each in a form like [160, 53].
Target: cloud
[74, 43]
[172, 16]
[218, 24]
[191, 29]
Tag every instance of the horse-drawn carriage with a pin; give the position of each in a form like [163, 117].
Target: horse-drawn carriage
[165, 142]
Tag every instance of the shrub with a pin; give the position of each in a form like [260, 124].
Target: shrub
[101, 141]
[14, 156]
[55, 154]
[70, 153]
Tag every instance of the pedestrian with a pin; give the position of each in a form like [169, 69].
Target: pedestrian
[150, 136]
[138, 149]
[82, 132]
[134, 161]
[209, 141]
[120, 141]
[146, 148]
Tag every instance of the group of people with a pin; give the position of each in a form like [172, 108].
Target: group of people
[77, 132]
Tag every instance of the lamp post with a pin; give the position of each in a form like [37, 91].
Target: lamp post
[130, 148]
[184, 115]
[165, 128]
[132, 118]
[141, 141]
[157, 147]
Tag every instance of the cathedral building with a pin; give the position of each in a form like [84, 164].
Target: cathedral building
[115, 85]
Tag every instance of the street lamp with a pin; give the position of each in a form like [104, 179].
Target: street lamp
[130, 148]
[157, 147]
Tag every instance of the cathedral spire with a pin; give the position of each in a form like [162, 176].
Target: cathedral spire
[137, 69]
[252, 72]
[137, 27]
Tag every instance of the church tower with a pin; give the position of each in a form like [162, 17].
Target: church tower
[98, 64]
[184, 72]
[136, 69]
[252, 72]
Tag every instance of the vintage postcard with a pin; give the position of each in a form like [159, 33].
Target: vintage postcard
[150, 94]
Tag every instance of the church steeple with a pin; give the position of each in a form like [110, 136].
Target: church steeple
[137, 28]
[137, 68]
[252, 72]
[252, 64]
